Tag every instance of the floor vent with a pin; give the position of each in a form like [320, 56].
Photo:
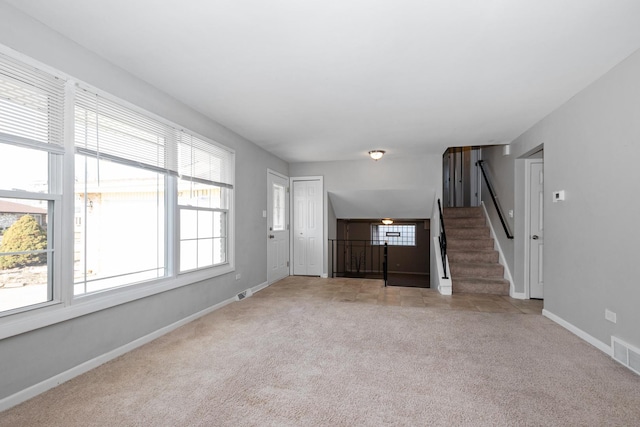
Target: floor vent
[626, 354]
[244, 294]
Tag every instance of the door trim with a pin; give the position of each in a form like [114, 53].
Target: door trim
[527, 225]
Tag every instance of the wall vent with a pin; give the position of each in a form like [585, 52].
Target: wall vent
[244, 294]
[626, 354]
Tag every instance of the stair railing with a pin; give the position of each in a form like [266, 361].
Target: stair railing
[358, 258]
[442, 238]
[507, 231]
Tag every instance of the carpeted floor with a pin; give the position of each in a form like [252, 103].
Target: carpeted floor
[293, 355]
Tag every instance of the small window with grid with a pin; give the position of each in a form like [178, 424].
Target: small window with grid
[394, 235]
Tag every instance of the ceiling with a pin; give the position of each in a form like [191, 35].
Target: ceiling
[323, 80]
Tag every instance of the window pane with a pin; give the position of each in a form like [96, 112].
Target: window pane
[188, 255]
[219, 224]
[205, 224]
[24, 253]
[119, 233]
[395, 235]
[205, 252]
[188, 224]
[278, 207]
[24, 169]
[208, 246]
[202, 195]
[220, 251]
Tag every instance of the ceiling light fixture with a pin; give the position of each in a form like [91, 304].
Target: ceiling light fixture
[376, 154]
[387, 221]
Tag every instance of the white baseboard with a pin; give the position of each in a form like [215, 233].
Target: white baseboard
[501, 257]
[444, 286]
[579, 332]
[259, 287]
[56, 380]
[324, 276]
[517, 295]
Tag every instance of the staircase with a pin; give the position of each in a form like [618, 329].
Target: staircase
[472, 259]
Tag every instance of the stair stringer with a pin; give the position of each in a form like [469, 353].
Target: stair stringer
[501, 259]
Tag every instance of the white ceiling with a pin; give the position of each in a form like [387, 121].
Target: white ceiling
[331, 79]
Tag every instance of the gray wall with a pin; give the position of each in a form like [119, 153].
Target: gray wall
[43, 353]
[390, 185]
[591, 151]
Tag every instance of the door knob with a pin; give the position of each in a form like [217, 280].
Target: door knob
[534, 237]
[271, 236]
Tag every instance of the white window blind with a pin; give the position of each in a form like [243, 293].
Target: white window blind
[112, 131]
[31, 104]
[107, 129]
[204, 162]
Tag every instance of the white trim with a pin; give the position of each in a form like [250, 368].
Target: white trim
[579, 332]
[444, 286]
[39, 318]
[261, 286]
[82, 368]
[496, 245]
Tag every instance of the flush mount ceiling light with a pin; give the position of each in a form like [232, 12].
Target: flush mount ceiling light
[376, 154]
[387, 221]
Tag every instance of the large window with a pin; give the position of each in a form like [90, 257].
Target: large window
[145, 202]
[31, 137]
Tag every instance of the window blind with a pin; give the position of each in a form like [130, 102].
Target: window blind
[204, 162]
[31, 104]
[107, 129]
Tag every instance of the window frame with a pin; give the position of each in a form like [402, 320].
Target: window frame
[64, 305]
[381, 242]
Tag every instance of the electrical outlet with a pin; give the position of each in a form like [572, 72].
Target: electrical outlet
[610, 315]
[238, 276]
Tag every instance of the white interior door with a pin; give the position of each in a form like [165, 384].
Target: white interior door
[307, 228]
[536, 229]
[277, 227]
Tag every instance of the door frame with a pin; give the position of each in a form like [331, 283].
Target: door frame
[529, 163]
[323, 220]
[526, 223]
[266, 218]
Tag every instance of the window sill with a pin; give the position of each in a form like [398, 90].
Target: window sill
[57, 312]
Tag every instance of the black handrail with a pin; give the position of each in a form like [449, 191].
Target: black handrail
[443, 242]
[495, 200]
[358, 258]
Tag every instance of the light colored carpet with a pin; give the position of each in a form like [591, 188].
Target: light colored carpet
[293, 359]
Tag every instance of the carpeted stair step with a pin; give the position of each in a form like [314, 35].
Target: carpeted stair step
[462, 212]
[472, 256]
[460, 269]
[468, 233]
[475, 285]
[470, 249]
[455, 244]
[464, 222]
